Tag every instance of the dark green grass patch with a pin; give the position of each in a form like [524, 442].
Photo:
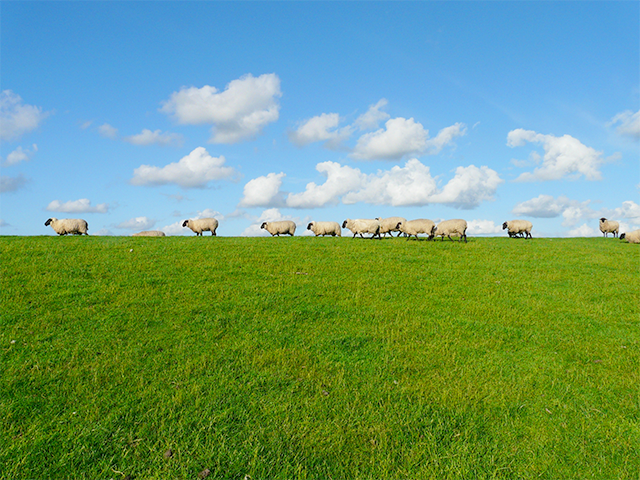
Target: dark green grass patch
[319, 358]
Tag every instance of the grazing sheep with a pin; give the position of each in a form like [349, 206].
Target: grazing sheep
[390, 224]
[279, 228]
[518, 227]
[631, 237]
[149, 233]
[609, 226]
[360, 226]
[325, 228]
[75, 226]
[202, 225]
[414, 227]
[452, 227]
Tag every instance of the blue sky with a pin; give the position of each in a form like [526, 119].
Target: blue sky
[138, 115]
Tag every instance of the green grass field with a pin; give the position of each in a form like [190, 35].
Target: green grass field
[284, 358]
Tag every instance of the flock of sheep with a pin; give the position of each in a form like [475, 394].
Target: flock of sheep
[374, 227]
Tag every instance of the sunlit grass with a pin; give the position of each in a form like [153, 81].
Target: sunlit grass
[319, 358]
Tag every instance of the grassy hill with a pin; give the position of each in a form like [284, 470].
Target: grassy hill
[319, 358]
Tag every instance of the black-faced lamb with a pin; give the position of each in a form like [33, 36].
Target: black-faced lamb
[609, 226]
[518, 227]
[74, 226]
[390, 224]
[202, 225]
[631, 237]
[415, 227]
[452, 227]
[325, 228]
[283, 227]
[360, 226]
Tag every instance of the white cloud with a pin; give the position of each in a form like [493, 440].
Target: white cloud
[263, 191]
[147, 137]
[404, 137]
[17, 118]
[323, 128]
[3, 223]
[192, 171]
[245, 107]
[138, 223]
[86, 124]
[20, 155]
[12, 184]
[77, 206]
[470, 186]
[483, 227]
[629, 210]
[269, 215]
[104, 232]
[108, 131]
[584, 231]
[564, 157]
[629, 124]
[372, 118]
[340, 180]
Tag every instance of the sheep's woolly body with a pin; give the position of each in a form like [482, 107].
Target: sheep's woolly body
[202, 225]
[452, 227]
[414, 227]
[609, 226]
[631, 237]
[75, 226]
[390, 224]
[325, 228]
[360, 226]
[283, 227]
[517, 227]
[149, 233]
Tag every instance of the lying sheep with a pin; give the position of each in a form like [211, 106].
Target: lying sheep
[149, 233]
[360, 226]
[325, 228]
[518, 227]
[452, 227]
[631, 237]
[390, 224]
[202, 225]
[609, 226]
[414, 227]
[279, 228]
[75, 226]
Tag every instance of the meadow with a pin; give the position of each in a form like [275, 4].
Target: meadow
[319, 358]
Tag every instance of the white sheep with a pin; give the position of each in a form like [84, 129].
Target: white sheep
[75, 226]
[609, 226]
[149, 233]
[360, 226]
[325, 228]
[390, 224]
[202, 225]
[279, 228]
[631, 237]
[414, 227]
[518, 227]
[452, 227]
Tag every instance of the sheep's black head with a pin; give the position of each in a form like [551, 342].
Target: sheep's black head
[263, 226]
[309, 226]
[46, 224]
[603, 219]
[344, 224]
[185, 223]
[504, 225]
[623, 236]
[397, 226]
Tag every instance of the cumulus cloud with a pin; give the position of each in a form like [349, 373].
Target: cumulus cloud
[16, 117]
[192, 171]
[372, 118]
[584, 230]
[147, 137]
[402, 137]
[629, 210]
[77, 206]
[238, 113]
[263, 191]
[137, 223]
[269, 215]
[411, 184]
[108, 131]
[564, 157]
[12, 184]
[322, 128]
[20, 155]
[483, 227]
[629, 124]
